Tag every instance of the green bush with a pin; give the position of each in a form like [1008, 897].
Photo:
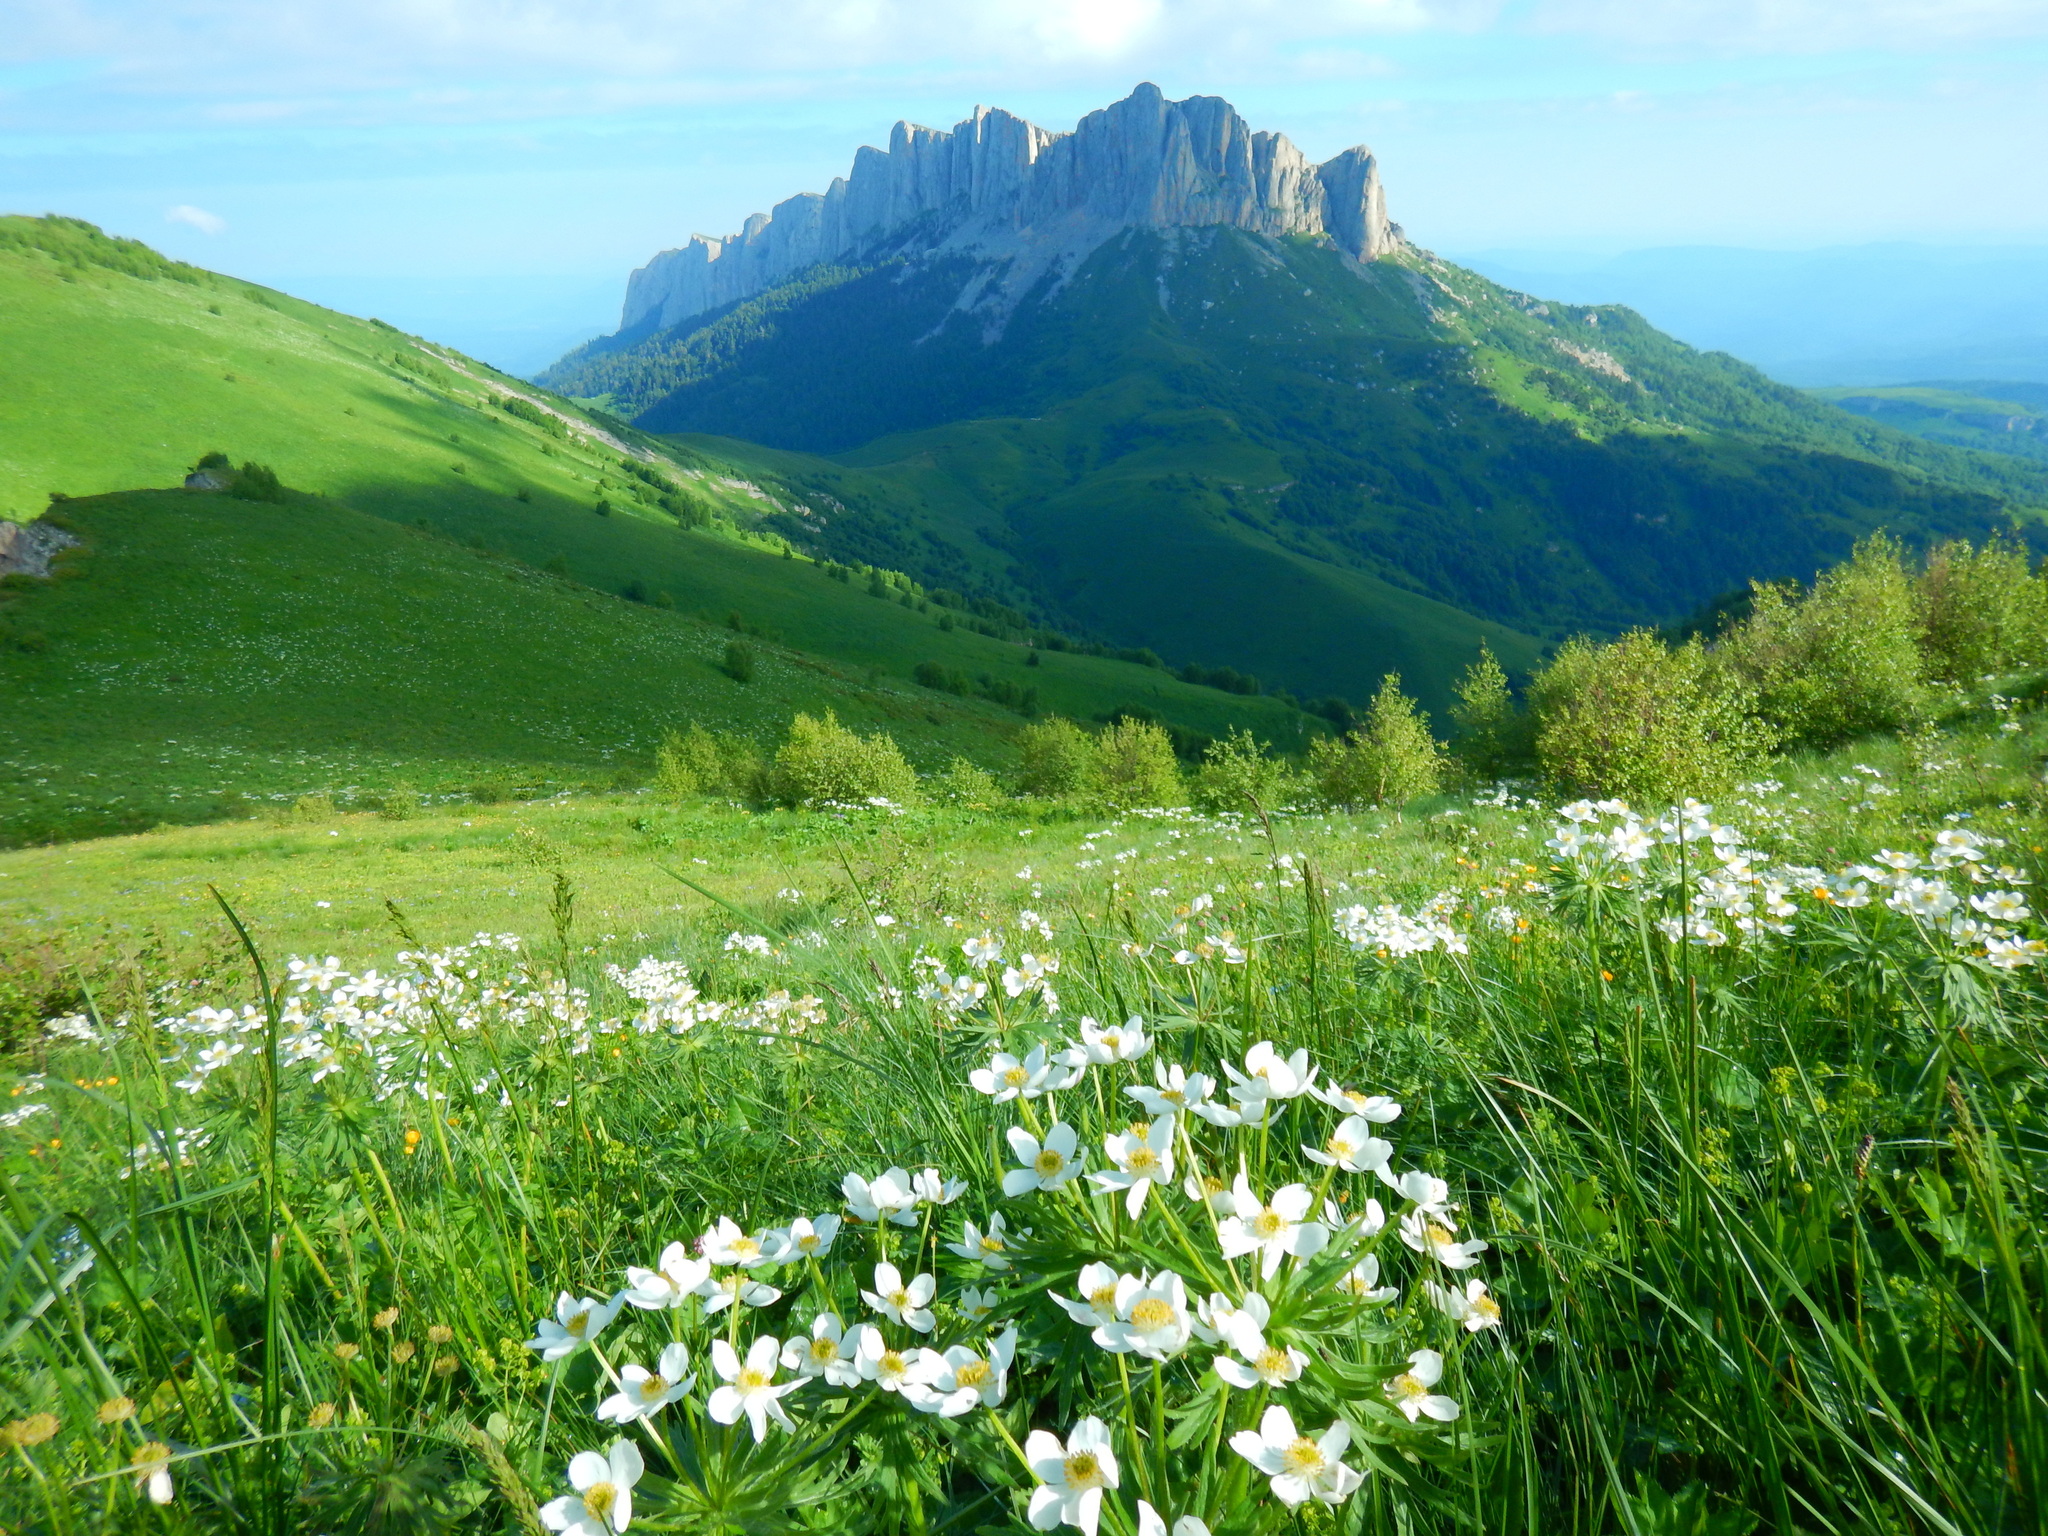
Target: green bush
[966, 785]
[1135, 765]
[1645, 722]
[1239, 774]
[1389, 759]
[1982, 610]
[1844, 660]
[1058, 759]
[739, 661]
[400, 803]
[822, 760]
[1493, 735]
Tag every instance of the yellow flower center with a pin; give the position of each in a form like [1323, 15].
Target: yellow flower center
[1487, 1307]
[1016, 1077]
[1102, 1298]
[1212, 1186]
[975, 1373]
[1304, 1457]
[1048, 1163]
[808, 1243]
[1273, 1363]
[990, 1243]
[598, 1499]
[824, 1350]
[1173, 1095]
[898, 1299]
[1339, 1148]
[891, 1365]
[751, 1380]
[653, 1387]
[1151, 1314]
[576, 1325]
[744, 1248]
[1083, 1470]
[1144, 1162]
[1112, 1040]
[1438, 1234]
[1407, 1385]
[1269, 1224]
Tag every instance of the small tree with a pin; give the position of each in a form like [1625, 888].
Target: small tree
[1389, 760]
[1135, 765]
[822, 760]
[1238, 773]
[739, 661]
[1844, 660]
[1982, 610]
[1058, 758]
[965, 784]
[1492, 732]
[1642, 721]
[690, 763]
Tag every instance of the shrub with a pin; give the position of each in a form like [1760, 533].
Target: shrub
[1389, 759]
[940, 677]
[1135, 765]
[313, 808]
[1981, 610]
[695, 762]
[1059, 759]
[822, 760]
[1841, 662]
[1238, 773]
[1492, 733]
[399, 803]
[965, 784]
[739, 661]
[1645, 722]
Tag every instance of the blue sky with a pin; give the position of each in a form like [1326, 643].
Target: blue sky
[529, 152]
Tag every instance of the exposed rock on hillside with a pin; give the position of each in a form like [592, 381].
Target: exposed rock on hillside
[26, 549]
[998, 186]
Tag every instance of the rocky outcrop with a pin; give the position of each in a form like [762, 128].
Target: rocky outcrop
[26, 549]
[999, 186]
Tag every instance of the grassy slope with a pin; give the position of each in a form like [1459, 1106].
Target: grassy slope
[1994, 417]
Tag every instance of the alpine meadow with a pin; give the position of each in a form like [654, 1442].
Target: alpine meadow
[1076, 842]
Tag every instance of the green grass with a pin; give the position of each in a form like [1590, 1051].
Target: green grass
[201, 650]
[1765, 1221]
[1995, 418]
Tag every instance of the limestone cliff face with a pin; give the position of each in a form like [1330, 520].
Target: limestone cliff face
[1000, 187]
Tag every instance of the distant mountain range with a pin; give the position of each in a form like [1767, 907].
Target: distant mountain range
[1164, 380]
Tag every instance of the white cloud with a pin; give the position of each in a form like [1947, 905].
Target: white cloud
[1794, 26]
[206, 223]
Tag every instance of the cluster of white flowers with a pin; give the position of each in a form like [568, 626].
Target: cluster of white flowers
[1385, 930]
[1735, 892]
[1030, 976]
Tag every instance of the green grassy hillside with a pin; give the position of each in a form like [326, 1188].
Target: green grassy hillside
[1995, 416]
[1402, 450]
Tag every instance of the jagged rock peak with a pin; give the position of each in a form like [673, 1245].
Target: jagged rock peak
[998, 183]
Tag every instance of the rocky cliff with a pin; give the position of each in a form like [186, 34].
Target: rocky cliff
[999, 187]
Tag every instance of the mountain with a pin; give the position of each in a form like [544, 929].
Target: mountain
[432, 596]
[1164, 380]
[1998, 416]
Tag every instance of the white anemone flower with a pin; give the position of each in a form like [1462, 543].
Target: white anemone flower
[890, 1368]
[1352, 1147]
[2001, 906]
[576, 1322]
[907, 1302]
[1432, 1196]
[1436, 1236]
[1410, 1390]
[932, 1189]
[1152, 1318]
[1098, 1305]
[888, 1196]
[602, 1504]
[960, 1380]
[1009, 1077]
[726, 1243]
[1071, 1477]
[1362, 1280]
[1152, 1523]
[828, 1352]
[1045, 1165]
[988, 1247]
[1207, 1189]
[1271, 1230]
[1472, 1307]
[643, 1393]
[750, 1386]
[811, 1237]
[726, 1290]
[151, 1469]
[1376, 1107]
[1269, 1075]
[1173, 1090]
[1300, 1466]
[1213, 1317]
[1106, 1043]
[1262, 1363]
[670, 1284]
[986, 950]
[1142, 1158]
[977, 1303]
